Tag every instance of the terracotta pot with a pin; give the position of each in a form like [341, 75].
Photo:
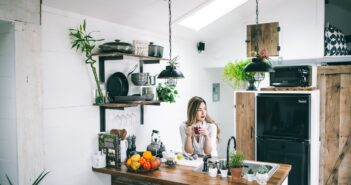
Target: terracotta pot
[236, 172]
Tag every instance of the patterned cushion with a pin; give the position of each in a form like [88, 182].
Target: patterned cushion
[334, 42]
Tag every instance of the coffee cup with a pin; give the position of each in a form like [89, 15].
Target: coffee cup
[196, 130]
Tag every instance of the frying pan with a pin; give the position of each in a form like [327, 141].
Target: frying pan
[117, 85]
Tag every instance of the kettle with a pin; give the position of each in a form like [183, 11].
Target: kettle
[156, 147]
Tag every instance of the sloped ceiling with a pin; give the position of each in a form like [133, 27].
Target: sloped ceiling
[151, 15]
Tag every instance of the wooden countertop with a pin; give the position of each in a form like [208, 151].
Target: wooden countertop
[185, 175]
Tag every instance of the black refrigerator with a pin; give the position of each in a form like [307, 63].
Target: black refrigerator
[283, 133]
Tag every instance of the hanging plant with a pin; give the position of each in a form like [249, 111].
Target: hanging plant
[166, 93]
[233, 72]
[84, 41]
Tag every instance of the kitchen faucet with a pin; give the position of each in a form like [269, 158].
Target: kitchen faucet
[230, 139]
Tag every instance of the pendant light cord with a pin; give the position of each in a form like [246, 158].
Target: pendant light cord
[170, 30]
[256, 30]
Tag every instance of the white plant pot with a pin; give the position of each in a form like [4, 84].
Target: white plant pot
[224, 173]
[250, 177]
[262, 178]
[212, 172]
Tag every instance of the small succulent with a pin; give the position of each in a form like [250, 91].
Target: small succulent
[262, 169]
[250, 171]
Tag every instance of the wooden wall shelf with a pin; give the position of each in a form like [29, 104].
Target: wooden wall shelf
[120, 56]
[288, 88]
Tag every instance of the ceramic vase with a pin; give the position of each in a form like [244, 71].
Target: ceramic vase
[262, 178]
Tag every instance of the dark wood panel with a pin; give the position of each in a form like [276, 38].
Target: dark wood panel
[245, 124]
[181, 175]
[268, 38]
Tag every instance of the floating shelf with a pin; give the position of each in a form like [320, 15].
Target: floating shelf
[123, 105]
[119, 56]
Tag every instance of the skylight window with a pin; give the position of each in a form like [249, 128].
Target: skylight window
[210, 13]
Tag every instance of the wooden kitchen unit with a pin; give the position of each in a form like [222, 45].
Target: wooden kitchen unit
[183, 175]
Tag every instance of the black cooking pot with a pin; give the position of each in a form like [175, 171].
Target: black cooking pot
[155, 50]
[118, 46]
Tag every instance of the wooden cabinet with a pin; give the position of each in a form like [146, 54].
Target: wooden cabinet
[268, 38]
[120, 56]
[334, 83]
[245, 123]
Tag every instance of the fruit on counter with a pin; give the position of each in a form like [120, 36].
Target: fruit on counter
[180, 156]
[135, 157]
[146, 162]
[135, 165]
[147, 155]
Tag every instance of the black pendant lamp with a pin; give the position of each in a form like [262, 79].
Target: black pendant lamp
[171, 73]
[257, 64]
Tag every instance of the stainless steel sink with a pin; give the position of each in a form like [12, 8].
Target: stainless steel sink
[247, 165]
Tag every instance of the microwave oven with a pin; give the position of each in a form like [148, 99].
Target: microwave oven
[291, 76]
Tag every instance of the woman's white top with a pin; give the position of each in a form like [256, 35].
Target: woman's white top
[199, 145]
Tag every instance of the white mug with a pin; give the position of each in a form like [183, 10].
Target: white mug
[99, 160]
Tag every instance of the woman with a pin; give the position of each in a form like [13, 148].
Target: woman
[202, 141]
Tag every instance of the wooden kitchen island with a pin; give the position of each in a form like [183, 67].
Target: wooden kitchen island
[183, 175]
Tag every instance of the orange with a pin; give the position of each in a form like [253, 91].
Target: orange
[147, 155]
[129, 162]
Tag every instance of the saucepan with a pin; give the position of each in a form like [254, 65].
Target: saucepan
[118, 46]
[155, 50]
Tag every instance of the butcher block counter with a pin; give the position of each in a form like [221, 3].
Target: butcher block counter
[183, 175]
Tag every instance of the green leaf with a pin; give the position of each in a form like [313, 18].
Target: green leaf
[8, 180]
[84, 24]
[40, 177]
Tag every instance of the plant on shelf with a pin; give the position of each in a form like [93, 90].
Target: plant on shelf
[84, 41]
[166, 93]
[236, 161]
[36, 181]
[233, 73]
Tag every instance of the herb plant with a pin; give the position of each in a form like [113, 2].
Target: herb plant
[166, 93]
[262, 169]
[233, 72]
[236, 159]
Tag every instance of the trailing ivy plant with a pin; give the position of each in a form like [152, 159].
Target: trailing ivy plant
[166, 93]
[36, 181]
[233, 72]
[84, 41]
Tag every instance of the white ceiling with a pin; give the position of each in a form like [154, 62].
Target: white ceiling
[151, 15]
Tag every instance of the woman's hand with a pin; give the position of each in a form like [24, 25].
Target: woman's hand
[189, 131]
[203, 131]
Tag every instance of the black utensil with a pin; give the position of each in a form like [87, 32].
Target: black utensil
[117, 85]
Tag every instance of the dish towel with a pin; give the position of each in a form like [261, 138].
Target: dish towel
[334, 42]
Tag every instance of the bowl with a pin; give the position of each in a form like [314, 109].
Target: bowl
[148, 97]
[139, 79]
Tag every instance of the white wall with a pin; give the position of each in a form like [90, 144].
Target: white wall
[301, 34]
[71, 123]
[20, 10]
[8, 132]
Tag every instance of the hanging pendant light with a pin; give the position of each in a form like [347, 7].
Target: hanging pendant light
[257, 64]
[171, 73]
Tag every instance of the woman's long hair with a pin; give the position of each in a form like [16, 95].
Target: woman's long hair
[193, 106]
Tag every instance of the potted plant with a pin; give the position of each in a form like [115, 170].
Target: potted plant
[84, 41]
[36, 181]
[223, 169]
[234, 75]
[166, 93]
[250, 175]
[236, 161]
[262, 175]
